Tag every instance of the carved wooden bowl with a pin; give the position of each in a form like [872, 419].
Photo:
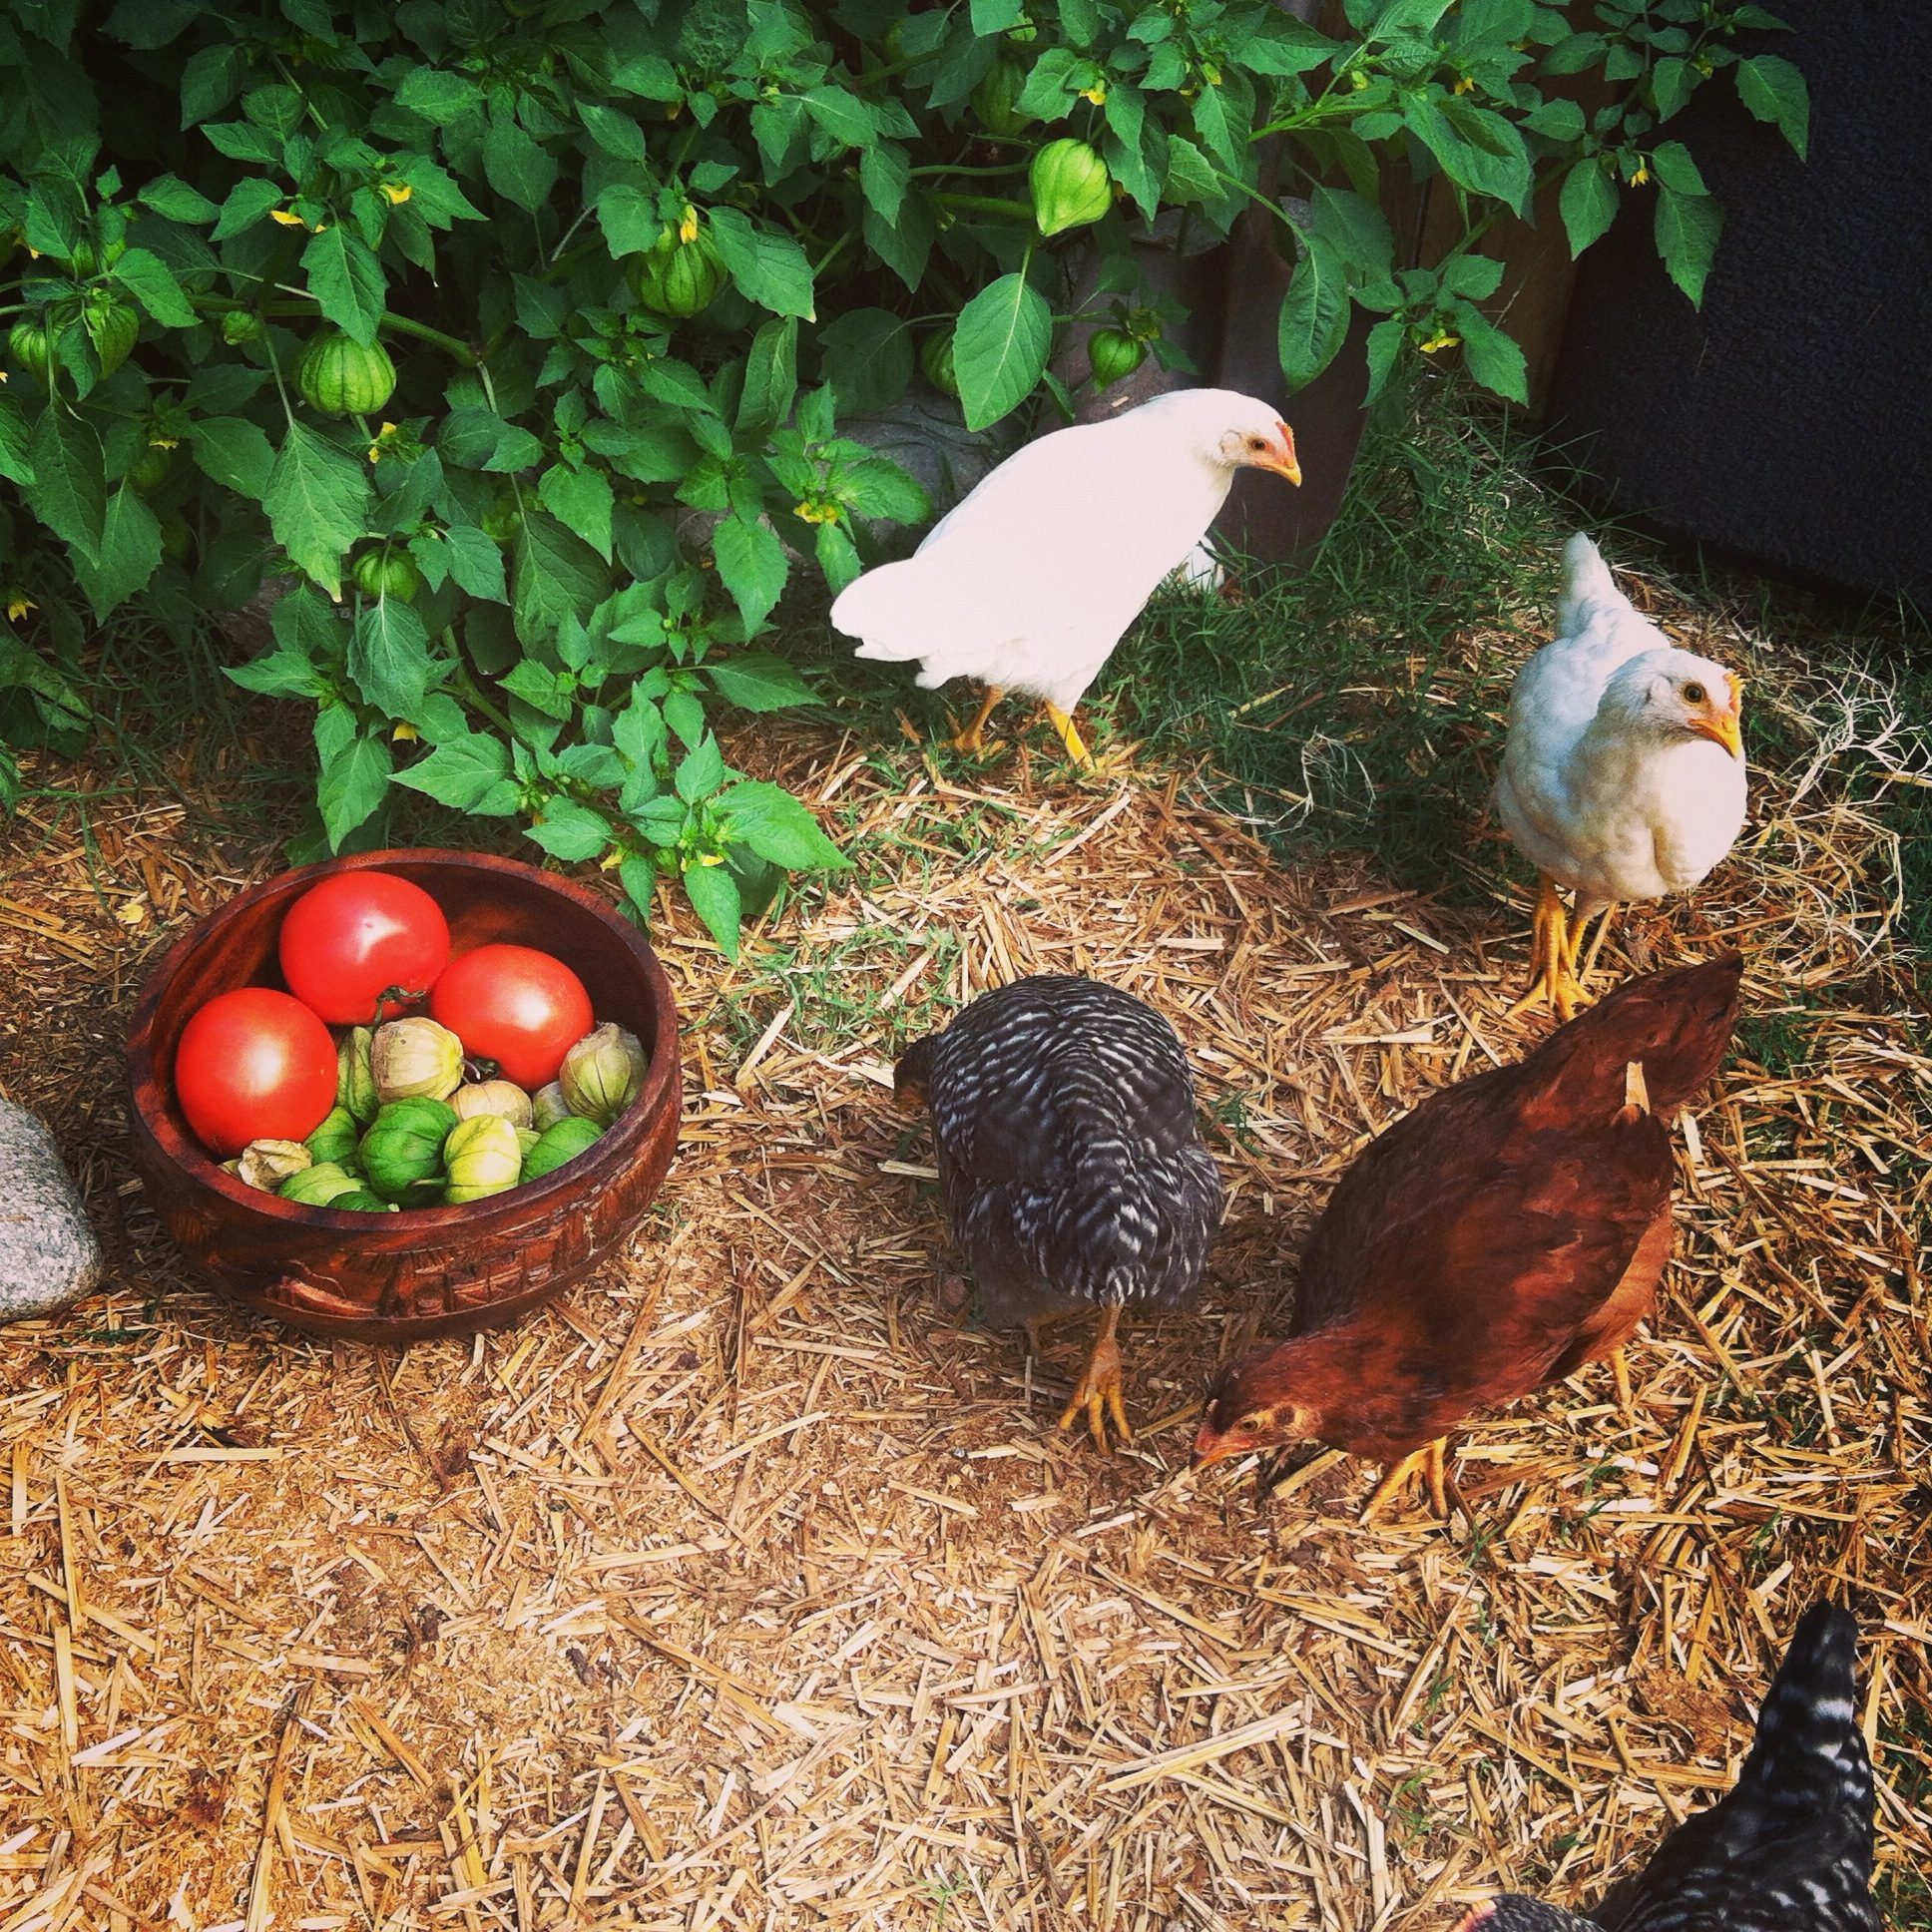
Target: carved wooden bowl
[431, 1270]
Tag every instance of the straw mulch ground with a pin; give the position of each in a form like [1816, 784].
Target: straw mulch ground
[751, 1587]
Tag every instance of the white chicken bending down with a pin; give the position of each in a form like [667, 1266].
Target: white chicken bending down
[1624, 777]
[1030, 582]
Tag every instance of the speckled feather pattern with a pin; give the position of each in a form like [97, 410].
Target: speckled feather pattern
[1787, 1849]
[1075, 1177]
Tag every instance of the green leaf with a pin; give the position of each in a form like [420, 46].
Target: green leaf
[1671, 82]
[233, 452]
[475, 438]
[347, 280]
[171, 198]
[628, 218]
[1688, 226]
[883, 173]
[1314, 315]
[317, 502]
[351, 786]
[768, 266]
[1384, 347]
[69, 491]
[146, 278]
[1672, 164]
[1492, 357]
[701, 772]
[1000, 345]
[248, 202]
[279, 674]
[1774, 91]
[209, 82]
[1192, 176]
[389, 657]
[470, 773]
[842, 115]
[553, 693]
[475, 562]
[515, 166]
[1588, 204]
[638, 877]
[16, 464]
[580, 500]
[867, 359]
[555, 575]
[1354, 229]
[996, 16]
[130, 552]
[777, 827]
[569, 831]
[756, 681]
[716, 899]
[770, 375]
[751, 565]
[439, 97]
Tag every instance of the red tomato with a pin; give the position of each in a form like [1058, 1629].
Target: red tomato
[357, 936]
[253, 1065]
[516, 1006]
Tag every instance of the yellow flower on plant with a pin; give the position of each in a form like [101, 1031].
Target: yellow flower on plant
[687, 225]
[611, 859]
[405, 734]
[1442, 341]
[164, 443]
[1464, 84]
[397, 192]
[1095, 93]
[287, 217]
[19, 603]
[1642, 176]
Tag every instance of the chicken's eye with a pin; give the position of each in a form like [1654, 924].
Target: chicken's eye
[1694, 693]
[1257, 442]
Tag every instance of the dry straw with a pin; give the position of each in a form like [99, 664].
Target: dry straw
[751, 1588]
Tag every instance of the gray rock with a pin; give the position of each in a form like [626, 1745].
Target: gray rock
[49, 1256]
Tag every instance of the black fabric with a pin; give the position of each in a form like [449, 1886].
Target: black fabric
[1789, 421]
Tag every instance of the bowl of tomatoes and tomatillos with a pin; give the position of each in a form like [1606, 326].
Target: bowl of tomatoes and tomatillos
[435, 1271]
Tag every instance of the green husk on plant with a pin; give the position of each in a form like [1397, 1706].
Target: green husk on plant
[602, 1073]
[336, 1140]
[356, 1091]
[483, 1156]
[319, 1185]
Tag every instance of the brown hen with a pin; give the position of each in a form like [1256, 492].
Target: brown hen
[1509, 1229]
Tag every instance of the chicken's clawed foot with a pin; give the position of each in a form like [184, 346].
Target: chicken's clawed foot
[1098, 1392]
[971, 738]
[1433, 1461]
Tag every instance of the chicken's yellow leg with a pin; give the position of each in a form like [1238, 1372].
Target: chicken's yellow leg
[1099, 1391]
[1553, 971]
[1596, 946]
[972, 738]
[1062, 721]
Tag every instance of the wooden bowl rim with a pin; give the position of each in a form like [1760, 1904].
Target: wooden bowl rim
[617, 1142]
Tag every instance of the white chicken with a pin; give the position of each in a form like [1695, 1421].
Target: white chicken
[1623, 777]
[1031, 581]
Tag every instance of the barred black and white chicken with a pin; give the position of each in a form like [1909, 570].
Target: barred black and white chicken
[1073, 1172]
[1789, 1847]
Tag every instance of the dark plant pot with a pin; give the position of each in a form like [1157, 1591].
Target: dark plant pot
[1778, 421]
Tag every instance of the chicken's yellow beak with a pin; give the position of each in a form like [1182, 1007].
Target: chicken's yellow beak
[1721, 728]
[1285, 465]
[1209, 1447]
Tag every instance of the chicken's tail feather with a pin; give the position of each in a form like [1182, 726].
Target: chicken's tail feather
[1585, 581]
[1809, 1754]
[1674, 1025]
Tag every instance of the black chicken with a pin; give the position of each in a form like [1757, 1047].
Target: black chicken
[1789, 1847]
[1073, 1172]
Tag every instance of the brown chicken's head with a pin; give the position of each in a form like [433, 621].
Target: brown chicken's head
[1251, 1405]
[1674, 694]
[912, 1074]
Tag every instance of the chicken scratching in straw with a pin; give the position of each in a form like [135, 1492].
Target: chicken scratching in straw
[1509, 1229]
[1030, 582]
[1074, 1179]
[1624, 775]
[1789, 1847]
